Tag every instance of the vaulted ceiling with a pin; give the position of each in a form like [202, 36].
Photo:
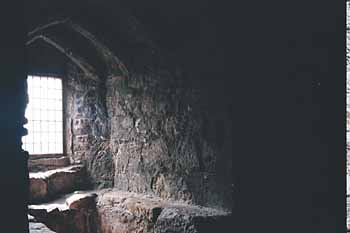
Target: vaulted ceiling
[194, 35]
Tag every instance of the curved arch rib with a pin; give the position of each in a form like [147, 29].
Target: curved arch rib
[107, 55]
[85, 67]
[41, 28]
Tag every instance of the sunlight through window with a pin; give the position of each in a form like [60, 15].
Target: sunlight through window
[44, 114]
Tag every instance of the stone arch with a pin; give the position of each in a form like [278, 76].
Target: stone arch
[113, 64]
[99, 123]
[76, 59]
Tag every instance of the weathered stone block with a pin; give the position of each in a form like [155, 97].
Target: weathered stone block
[81, 201]
[38, 189]
[123, 212]
[66, 180]
[101, 168]
[71, 213]
[192, 219]
[126, 212]
[47, 185]
[48, 163]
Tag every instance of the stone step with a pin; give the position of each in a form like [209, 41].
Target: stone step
[69, 213]
[50, 184]
[65, 202]
[44, 164]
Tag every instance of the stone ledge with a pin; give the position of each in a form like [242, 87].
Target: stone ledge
[50, 184]
[44, 156]
[45, 174]
[123, 212]
[66, 202]
[44, 164]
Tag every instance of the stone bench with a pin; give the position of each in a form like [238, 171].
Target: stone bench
[124, 212]
[112, 211]
[50, 184]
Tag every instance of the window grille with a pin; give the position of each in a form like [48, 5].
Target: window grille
[44, 113]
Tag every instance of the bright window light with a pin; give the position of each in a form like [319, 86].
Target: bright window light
[44, 113]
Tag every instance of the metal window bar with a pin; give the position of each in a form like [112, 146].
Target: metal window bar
[45, 116]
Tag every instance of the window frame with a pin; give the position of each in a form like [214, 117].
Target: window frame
[64, 101]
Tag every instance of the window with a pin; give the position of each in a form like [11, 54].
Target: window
[44, 113]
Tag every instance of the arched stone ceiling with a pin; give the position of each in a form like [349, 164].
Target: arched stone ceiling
[81, 47]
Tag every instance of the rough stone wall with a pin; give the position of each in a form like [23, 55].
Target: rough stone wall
[87, 129]
[163, 141]
[167, 136]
